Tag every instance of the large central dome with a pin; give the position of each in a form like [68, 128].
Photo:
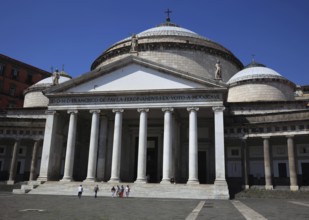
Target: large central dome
[175, 47]
[168, 29]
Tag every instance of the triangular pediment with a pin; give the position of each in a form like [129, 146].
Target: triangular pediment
[132, 74]
[135, 77]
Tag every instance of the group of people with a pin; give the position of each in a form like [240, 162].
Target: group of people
[118, 191]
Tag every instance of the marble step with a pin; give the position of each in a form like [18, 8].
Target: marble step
[196, 191]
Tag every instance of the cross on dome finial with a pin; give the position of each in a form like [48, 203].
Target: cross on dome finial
[253, 55]
[168, 11]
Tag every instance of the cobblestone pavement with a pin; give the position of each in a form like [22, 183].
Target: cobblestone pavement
[33, 207]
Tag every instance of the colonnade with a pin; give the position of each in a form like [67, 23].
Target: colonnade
[142, 145]
[268, 166]
[13, 164]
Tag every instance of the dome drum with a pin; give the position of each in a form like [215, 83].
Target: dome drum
[156, 44]
[259, 91]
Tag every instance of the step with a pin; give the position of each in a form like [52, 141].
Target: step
[149, 190]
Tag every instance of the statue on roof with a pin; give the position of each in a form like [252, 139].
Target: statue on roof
[56, 77]
[218, 72]
[134, 43]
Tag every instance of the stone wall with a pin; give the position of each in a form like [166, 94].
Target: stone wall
[35, 99]
[194, 62]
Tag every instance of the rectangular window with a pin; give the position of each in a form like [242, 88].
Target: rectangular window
[303, 149]
[12, 90]
[282, 170]
[11, 104]
[22, 151]
[29, 78]
[2, 150]
[2, 69]
[15, 73]
[1, 165]
[233, 152]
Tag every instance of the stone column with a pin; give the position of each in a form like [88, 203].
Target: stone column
[34, 160]
[292, 167]
[221, 189]
[102, 148]
[12, 173]
[70, 150]
[93, 146]
[193, 146]
[115, 173]
[167, 145]
[48, 145]
[142, 147]
[245, 163]
[267, 165]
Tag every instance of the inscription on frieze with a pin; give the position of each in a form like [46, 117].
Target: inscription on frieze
[132, 99]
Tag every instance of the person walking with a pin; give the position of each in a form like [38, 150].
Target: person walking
[80, 191]
[118, 191]
[96, 189]
[127, 190]
[113, 190]
[121, 191]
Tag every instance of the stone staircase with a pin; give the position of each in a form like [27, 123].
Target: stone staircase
[149, 190]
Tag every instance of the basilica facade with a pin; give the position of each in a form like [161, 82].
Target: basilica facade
[163, 106]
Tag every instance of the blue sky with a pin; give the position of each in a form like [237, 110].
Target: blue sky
[75, 32]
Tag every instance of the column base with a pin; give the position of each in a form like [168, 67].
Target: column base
[245, 186]
[294, 188]
[66, 180]
[140, 181]
[165, 181]
[89, 180]
[34, 182]
[221, 189]
[269, 187]
[114, 180]
[193, 182]
[42, 178]
[10, 182]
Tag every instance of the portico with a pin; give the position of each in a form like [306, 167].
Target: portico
[150, 120]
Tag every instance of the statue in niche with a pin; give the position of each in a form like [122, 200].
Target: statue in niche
[56, 77]
[134, 43]
[218, 73]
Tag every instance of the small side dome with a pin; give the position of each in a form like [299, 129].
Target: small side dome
[256, 82]
[34, 96]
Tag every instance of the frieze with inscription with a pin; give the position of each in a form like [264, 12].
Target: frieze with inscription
[132, 99]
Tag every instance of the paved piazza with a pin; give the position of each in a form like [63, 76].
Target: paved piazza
[70, 207]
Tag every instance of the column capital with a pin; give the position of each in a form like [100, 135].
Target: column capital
[218, 108]
[290, 136]
[167, 109]
[72, 111]
[143, 109]
[37, 139]
[50, 112]
[266, 137]
[95, 111]
[117, 110]
[103, 114]
[189, 109]
[243, 139]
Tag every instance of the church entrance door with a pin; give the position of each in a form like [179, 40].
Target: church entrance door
[151, 159]
[305, 171]
[202, 166]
